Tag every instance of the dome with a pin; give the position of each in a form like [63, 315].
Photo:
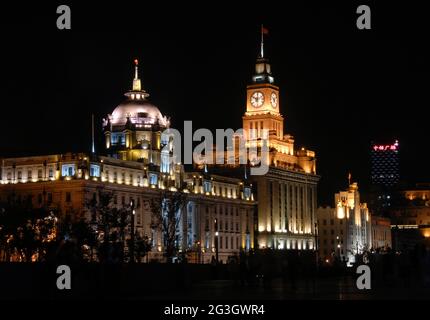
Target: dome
[139, 111]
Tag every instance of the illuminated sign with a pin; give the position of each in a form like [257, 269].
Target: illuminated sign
[385, 147]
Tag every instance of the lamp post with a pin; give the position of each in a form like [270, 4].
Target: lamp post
[216, 240]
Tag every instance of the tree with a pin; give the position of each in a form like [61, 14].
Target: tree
[103, 217]
[142, 245]
[25, 232]
[112, 223]
[166, 215]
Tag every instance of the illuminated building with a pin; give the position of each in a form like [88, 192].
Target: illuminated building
[345, 230]
[385, 164]
[385, 174]
[136, 170]
[381, 232]
[287, 193]
[410, 216]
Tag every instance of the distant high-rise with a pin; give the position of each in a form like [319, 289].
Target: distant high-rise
[385, 164]
[385, 174]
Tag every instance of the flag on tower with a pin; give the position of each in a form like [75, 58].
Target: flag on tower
[264, 30]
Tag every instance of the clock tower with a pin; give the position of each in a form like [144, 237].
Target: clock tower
[262, 102]
[286, 194]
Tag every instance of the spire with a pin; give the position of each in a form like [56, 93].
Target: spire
[263, 32]
[263, 73]
[136, 93]
[136, 81]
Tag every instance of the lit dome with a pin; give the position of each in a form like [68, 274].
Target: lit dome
[139, 112]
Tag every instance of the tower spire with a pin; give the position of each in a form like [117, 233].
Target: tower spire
[136, 81]
[137, 92]
[263, 32]
[262, 42]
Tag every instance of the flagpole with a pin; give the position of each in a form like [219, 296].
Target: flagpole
[92, 134]
[262, 42]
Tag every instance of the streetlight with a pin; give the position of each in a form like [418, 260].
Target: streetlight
[338, 246]
[216, 240]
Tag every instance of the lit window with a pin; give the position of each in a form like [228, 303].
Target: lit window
[94, 170]
[207, 186]
[247, 192]
[68, 170]
[153, 179]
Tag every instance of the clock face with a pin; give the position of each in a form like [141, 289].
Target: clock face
[257, 99]
[274, 100]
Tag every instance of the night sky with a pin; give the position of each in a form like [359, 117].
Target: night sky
[340, 87]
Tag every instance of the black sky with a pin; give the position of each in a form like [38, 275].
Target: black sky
[340, 87]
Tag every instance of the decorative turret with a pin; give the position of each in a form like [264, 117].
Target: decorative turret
[137, 93]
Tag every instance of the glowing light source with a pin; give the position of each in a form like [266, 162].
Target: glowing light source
[340, 211]
[385, 147]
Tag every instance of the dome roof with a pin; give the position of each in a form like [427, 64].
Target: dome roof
[140, 112]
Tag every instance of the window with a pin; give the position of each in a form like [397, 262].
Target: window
[226, 242]
[237, 226]
[220, 242]
[67, 170]
[207, 186]
[94, 170]
[39, 173]
[29, 174]
[39, 198]
[153, 179]
[331, 221]
[332, 232]
[324, 222]
[19, 175]
[232, 243]
[49, 198]
[51, 172]
[324, 231]
[68, 197]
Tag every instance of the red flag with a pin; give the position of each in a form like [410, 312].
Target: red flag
[264, 30]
